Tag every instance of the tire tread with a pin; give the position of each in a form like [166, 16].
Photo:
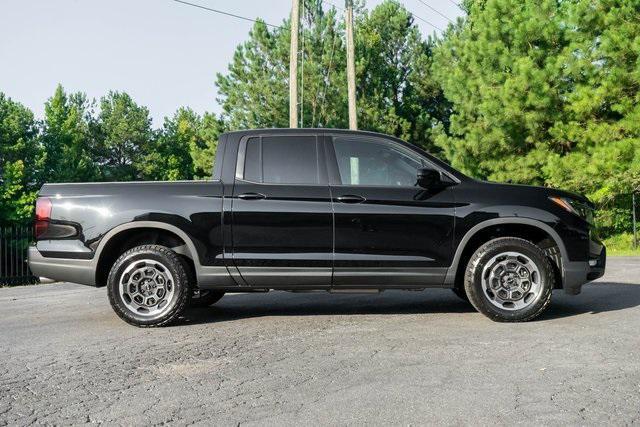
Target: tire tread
[474, 297]
[183, 277]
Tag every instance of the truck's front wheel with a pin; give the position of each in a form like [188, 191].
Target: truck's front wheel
[509, 280]
[148, 286]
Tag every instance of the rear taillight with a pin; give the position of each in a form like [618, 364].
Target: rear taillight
[43, 214]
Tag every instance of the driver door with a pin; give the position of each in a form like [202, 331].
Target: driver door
[388, 231]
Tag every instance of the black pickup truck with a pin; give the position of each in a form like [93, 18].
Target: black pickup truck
[316, 209]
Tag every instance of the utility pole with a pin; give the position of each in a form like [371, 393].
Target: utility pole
[351, 67]
[293, 65]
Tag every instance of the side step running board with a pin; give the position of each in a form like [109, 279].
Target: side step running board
[355, 291]
[336, 291]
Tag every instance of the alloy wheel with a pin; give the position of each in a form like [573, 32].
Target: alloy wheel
[147, 288]
[511, 281]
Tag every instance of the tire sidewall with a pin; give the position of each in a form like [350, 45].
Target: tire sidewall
[168, 259]
[473, 279]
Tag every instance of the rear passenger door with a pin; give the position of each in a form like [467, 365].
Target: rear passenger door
[282, 224]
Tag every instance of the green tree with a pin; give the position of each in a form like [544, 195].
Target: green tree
[203, 149]
[254, 92]
[598, 137]
[66, 139]
[396, 92]
[546, 92]
[123, 134]
[184, 148]
[168, 156]
[20, 161]
[498, 70]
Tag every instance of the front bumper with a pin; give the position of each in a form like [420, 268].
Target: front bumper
[576, 274]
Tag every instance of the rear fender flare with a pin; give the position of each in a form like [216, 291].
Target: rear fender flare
[190, 252]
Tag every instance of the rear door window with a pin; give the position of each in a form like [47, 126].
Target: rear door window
[282, 160]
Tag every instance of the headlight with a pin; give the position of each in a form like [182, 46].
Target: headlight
[576, 207]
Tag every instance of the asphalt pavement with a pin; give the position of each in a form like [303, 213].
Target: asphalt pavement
[410, 358]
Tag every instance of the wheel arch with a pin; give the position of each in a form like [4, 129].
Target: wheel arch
[469, 243]
[125, 234]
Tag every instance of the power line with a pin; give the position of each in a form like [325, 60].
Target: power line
[427, 22]
[457, 4]
[225, 13]
[436, 11]
[410, 13]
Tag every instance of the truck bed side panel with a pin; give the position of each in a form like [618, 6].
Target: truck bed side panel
[94, 209]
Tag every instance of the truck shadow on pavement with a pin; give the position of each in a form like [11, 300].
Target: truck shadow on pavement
[597, 298]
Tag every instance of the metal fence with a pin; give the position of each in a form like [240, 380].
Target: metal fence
[14, 241]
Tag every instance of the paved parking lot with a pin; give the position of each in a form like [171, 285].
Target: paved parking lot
[281, 358]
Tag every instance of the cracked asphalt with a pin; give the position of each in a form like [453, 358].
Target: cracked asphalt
[286, 359]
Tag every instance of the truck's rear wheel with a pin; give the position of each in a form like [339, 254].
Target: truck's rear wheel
[509, 280]
[149, 286]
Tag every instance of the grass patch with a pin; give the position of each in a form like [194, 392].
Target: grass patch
[621, 245]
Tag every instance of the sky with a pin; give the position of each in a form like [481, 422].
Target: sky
[163, 53]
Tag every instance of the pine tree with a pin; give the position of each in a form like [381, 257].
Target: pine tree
[67, 139]
[124, 133]
[546, 92]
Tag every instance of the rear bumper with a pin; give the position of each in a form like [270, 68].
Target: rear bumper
[62, 269]
[577, 274]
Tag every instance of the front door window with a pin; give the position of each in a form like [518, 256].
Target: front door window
[375, 163]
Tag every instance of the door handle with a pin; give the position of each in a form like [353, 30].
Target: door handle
[251, 196]
[350, 198]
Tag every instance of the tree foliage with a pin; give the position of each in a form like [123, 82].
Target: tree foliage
[123, 137]
[167, 156]
[20, 160]
[396, 93]
[255, 91]
[184, 148]
[203, 148]
[67, 140]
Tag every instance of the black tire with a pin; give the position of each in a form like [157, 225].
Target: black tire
[168, 264]
[460, 293]
[206, 298]
[473, 280]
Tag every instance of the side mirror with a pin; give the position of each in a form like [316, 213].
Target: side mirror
[431, 178]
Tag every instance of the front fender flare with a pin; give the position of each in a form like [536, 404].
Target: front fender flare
[452, 270]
